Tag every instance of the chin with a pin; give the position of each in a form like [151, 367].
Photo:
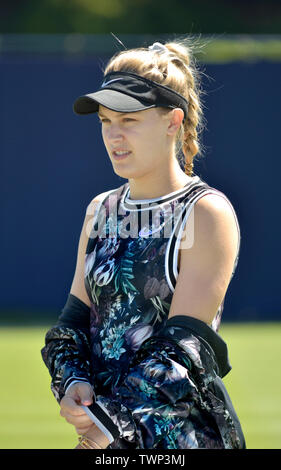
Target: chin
[127, 173]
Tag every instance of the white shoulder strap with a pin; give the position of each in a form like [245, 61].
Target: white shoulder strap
[171, 259]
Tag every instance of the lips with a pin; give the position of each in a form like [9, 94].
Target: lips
[120, 154]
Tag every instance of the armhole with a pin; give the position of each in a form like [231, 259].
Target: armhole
[93, 220]
[171, 258]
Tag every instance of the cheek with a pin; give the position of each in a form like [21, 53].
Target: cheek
[106, 141]
[150, 136]
[154, 140]
[104, 135]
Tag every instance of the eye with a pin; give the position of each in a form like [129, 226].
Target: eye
[103, 120]
[129, 119]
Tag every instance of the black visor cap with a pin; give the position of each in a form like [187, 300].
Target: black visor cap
[127, 93]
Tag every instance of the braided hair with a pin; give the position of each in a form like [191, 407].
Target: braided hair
[174, 66]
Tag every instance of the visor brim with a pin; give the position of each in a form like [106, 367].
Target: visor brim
[111, 99]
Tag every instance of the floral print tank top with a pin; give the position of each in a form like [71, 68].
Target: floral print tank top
[131, 269]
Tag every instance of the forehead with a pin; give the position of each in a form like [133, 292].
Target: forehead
[103, 111]
[106, 112]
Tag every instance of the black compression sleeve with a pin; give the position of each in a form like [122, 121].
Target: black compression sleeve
[75, 314]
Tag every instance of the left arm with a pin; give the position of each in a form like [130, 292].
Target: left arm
[206, 268]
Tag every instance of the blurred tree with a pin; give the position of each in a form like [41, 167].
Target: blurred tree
[141, 16]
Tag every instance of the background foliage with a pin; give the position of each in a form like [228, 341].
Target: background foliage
[141, 16]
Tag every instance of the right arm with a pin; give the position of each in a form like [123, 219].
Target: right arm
[66, 352]
[78, 287]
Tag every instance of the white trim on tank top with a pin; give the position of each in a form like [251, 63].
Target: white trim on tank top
[134, 202]
[192, 202]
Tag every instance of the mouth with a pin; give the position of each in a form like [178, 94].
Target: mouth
[120, 154]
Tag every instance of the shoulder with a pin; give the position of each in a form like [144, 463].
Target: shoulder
[215, 211]
[214, 225]
[215, 207]
[209, 250]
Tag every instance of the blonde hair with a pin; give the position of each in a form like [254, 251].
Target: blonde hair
[175, 68]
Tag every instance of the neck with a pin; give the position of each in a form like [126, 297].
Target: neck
[165, 181]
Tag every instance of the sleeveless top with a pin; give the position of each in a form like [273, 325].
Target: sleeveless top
[131, 269]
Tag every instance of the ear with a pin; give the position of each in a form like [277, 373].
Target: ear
[176, 118]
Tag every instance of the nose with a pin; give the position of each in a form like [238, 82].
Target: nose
[114, 133]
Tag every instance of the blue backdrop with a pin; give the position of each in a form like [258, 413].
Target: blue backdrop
[53, 163]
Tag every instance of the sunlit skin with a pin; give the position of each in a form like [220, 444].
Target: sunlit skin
[151, 167]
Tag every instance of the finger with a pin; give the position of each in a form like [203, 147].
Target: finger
[82, 429]
[76, 414]
[83, 418]
[81, 421]
[69, 406]
[86, 394]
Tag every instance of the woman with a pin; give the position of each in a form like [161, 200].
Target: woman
[135, 358]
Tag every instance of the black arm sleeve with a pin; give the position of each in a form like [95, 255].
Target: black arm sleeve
[75, 314]
[66, 352]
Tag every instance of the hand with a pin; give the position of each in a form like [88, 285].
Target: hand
[96, 435]
[80, 393]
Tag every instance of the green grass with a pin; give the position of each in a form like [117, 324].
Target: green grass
[29, 414]
[254, 383]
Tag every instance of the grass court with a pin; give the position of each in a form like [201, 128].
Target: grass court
[29, 414]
